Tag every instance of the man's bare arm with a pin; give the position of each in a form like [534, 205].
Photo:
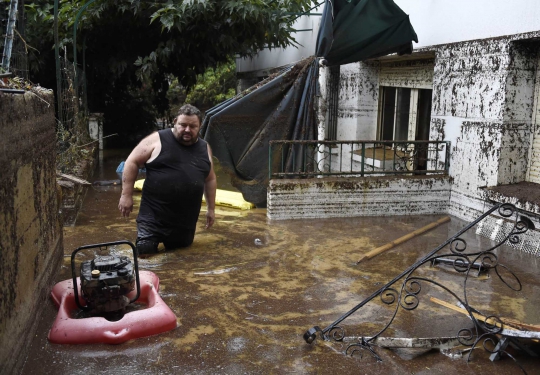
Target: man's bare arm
[210, 186]
[138, 157]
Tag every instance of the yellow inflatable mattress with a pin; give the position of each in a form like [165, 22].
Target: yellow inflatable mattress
[138, 185]
[224, 198]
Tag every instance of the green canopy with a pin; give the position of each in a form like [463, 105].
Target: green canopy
[356, 30]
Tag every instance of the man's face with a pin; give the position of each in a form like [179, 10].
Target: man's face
[186, 129]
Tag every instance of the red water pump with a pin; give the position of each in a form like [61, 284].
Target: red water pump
[108, 284]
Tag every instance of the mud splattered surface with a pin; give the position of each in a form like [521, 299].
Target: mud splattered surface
[523, 191]
[246, 291]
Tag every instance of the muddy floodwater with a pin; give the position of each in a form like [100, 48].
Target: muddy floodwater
[247, 289]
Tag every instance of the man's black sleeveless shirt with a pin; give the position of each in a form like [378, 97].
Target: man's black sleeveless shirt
[174, 186]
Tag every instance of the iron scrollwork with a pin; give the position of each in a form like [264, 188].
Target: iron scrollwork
[298, 159]
[416, 156]
[402, 293]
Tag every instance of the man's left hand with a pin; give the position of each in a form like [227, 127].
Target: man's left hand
[210, 217]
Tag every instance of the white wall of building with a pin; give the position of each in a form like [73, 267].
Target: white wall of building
[480, 58]
[435, 22]
[268, 59]
[444, 21]
[370, 196]
[358, 98]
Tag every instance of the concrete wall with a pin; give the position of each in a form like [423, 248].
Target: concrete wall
[306, 41]
[368, 196]
[358, 101]
[30, 230]
[483, 93]
[443, 22]
[468, 97]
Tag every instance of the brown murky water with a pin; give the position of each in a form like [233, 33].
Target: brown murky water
[246, 291]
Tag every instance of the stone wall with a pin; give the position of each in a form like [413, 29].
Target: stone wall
[30, 229]
[367, 196]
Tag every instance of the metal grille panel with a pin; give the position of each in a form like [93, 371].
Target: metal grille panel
[497, 229]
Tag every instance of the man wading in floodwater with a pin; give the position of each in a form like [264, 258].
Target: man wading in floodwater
[179, 170]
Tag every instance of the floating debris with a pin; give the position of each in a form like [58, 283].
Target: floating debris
[215, 272]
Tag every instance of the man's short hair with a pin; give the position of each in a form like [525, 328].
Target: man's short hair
[190, 110]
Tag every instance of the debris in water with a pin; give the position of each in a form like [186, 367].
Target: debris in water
[215, 272]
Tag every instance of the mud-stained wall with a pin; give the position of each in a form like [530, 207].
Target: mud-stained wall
[358, 101]
[518, 114]
[469, 79]
[483, 95]
[369, 196]
[482, 102]
[30, 230]
[414, 74]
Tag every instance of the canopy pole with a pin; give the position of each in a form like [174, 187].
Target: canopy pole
[321, 99]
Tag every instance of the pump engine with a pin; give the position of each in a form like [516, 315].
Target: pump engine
[105, 282]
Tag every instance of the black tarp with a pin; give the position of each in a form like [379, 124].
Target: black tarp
[239, 130]
[282, 108]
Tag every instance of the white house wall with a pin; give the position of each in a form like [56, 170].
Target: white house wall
[468, 86]
[358, 101]
[414, 74]
[518, 114]
[469, 80]
[369, 196]
[482, 102]
[443, 22]
[480, 59]
[306, 44]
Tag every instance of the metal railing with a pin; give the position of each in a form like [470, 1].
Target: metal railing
[302, 159]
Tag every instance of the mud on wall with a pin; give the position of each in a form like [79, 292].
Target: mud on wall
[30, 229]
[359, 88]
[361, 196]
[483, 95]
[358, 101]
[482, 102]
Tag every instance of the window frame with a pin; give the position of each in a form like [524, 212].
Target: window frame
[412, 126]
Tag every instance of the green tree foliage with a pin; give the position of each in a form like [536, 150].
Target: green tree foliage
[133, 45]
[214, 86]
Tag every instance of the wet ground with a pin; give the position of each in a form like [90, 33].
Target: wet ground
[246, 291]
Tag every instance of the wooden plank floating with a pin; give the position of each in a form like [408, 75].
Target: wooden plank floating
[506, 322]
[400, 240]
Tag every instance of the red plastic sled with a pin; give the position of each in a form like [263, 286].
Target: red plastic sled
[156, 318]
